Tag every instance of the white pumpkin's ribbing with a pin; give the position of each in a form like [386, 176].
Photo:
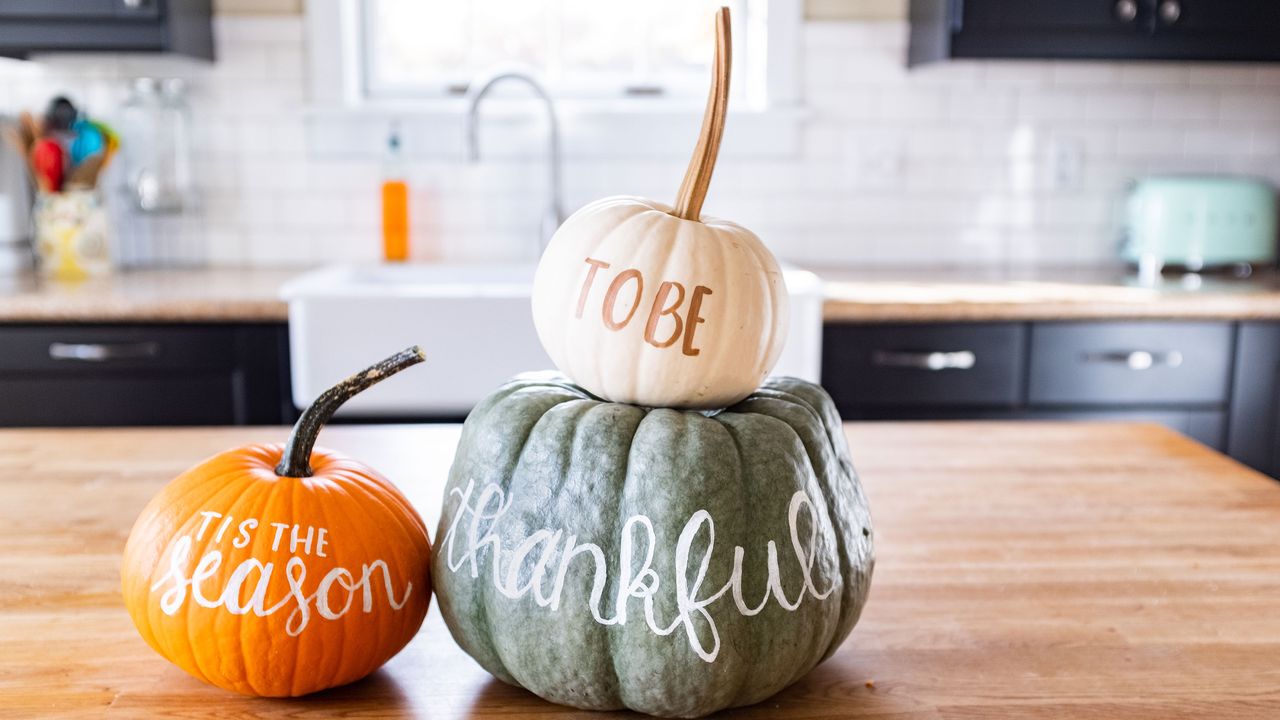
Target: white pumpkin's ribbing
[744, 316]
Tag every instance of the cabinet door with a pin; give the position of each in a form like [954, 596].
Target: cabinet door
[79, 9]
[1253, 432]
[1221, 19]
[1097, 29]
[1218, 29]
[1053, 28]
[1029, 16]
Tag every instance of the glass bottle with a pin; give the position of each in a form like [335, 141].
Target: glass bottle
[155, 124]
[395, 203]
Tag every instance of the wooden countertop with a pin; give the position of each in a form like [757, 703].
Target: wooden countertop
[881, 295]
[1037, 570]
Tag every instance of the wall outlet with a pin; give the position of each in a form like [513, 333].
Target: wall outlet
[1065, 164]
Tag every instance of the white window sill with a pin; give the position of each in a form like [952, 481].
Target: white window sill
[515, 129]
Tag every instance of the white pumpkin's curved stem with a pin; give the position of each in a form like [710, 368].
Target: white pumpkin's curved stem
[296, 461]
[697, 179]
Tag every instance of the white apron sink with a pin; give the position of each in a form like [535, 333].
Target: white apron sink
[473, 321]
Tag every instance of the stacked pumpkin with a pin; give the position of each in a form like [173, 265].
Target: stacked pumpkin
[657, 530]
[661, 532]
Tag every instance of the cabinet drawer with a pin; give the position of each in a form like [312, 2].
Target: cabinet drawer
[1128, 363]
[168, 398]
[97, 348]
[970, 364]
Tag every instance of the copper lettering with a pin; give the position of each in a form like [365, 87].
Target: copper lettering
[693, 319]
[586, 284]
[660, 308]
[611, 298]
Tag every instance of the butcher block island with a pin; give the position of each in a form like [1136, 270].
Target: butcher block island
[1024, 570]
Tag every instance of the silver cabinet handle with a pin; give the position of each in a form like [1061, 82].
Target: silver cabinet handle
[1126, 11]
[103, 352]
[1169, 11]
[957, 360]
[1137, 359]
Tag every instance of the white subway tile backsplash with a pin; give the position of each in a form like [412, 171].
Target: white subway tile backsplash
[1128, 104]
[1020, 73]
[1217, 142]
[984, 104]
[1038, 104]
[914, 104]
[1165, 74]
[1261, 106]
[955, 163]
[1140, 141]
[1088, 73]
[1221, 74]
[1191, 105]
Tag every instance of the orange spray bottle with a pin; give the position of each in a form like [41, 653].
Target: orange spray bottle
[395, 203]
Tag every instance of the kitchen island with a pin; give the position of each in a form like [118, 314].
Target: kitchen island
[1042, 570]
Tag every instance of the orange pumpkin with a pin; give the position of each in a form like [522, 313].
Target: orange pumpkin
[279, 570]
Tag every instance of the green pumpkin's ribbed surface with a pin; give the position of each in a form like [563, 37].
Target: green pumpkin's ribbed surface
[569, 461]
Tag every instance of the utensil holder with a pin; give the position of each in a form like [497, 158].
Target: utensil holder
[73, 234]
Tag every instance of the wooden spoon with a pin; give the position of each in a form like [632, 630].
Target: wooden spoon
[697, 179]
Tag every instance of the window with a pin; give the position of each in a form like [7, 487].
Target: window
[630, 76]
[581, 49]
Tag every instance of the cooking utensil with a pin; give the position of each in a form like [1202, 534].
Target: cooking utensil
[84, 176]
[87, 140]
[48, 161]
[61, 114]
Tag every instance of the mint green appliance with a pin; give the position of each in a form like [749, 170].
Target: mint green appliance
[1201, 223]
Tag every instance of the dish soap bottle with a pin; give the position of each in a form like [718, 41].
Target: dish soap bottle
[395, 203]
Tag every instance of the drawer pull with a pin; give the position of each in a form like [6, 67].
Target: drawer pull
[103, 352]
[957, 360]
[1137, 359]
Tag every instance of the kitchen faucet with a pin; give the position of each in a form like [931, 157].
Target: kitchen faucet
[552, 215]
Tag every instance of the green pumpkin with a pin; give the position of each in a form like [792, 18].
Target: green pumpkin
[673, 562]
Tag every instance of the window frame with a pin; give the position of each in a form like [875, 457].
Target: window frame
[337, 78]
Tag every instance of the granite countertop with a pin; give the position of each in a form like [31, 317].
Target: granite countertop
[178, 296]
[1090, 293]
[880, 295]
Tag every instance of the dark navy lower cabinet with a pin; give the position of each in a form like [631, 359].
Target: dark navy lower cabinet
[1254, 435]
[100, 375]
[1216, 382]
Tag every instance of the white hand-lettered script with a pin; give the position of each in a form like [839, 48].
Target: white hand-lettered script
[183, 580]
[553, 550]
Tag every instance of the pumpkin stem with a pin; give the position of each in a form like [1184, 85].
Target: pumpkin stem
[697, 179]
[296, 461]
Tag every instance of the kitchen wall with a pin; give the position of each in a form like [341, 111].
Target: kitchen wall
[1004, 163]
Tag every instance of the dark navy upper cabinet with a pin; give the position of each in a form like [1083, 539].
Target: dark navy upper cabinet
[1241, 30]
[182, 27]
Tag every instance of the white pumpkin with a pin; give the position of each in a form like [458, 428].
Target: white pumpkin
[640, 306]
[644, 303]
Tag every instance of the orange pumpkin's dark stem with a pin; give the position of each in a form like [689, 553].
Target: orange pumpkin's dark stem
[296, 461]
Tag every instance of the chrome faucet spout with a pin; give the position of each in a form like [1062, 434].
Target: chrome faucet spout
[476, 93]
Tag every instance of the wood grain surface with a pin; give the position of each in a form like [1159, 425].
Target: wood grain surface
[1034, 570]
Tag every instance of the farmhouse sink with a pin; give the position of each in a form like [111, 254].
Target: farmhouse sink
[474, 321]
